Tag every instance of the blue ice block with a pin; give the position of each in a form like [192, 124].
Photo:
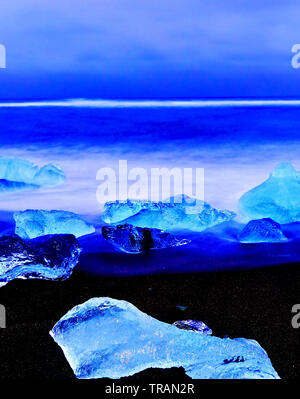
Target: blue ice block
[179, 212]
[49, 257]
[133, 239]
[277, 198]
[262, 230]
[28, 175]
[34, 223]
[105, 337]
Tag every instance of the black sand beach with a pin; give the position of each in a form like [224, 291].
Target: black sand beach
[249, 303]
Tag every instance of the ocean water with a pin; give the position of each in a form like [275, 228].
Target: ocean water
[237, 145]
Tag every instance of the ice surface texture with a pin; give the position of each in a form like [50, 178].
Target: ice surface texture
[49, 257]
[19, 174]
[105, 337]
[136, 239]
[262, 230]
[193, 325]
[277, 198]
[179, 212]
[34, 223]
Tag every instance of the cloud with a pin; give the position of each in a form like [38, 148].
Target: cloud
[132, 38]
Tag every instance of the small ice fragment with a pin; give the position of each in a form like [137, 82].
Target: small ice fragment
[34, 223]
[181, 307]
[14, 170]
[193, 325]
[49, 257]
[133, 239]
[262, 230]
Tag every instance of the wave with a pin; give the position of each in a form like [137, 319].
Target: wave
[100, 103]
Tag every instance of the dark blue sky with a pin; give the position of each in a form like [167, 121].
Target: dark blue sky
[149, 48]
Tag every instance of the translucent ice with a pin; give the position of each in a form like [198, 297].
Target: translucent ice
[34, 223]
[49, 175]
[116, 211]
[6, 185]
[135, 239]
[105, 337]
[277, 198]
[262, 230]
[180, 212]
[48, 257]
[14, 171]
[193, 325]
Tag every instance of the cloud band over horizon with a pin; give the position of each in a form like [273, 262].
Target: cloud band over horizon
[149, 49]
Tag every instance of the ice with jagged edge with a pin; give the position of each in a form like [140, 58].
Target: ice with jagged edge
[48, 257]
[134, 239]
[179, 212]
[277, 198]
[34, 223]
[105, 337]
[262, 230]
[18, 174]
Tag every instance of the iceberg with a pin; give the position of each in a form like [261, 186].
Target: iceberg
[277, 198]
[34, 223]
[193, 325]
[109, 338]
[49, 257]
[262, 230]
[20, 174]
[179, 212]
[133, 239]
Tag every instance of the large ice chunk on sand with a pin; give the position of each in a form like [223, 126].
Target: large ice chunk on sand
[262, 230]
[34, 223]
[277, 198]
[105, 337]
[49, 257]
[133, 239]
[179, 212]
[28, 175]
